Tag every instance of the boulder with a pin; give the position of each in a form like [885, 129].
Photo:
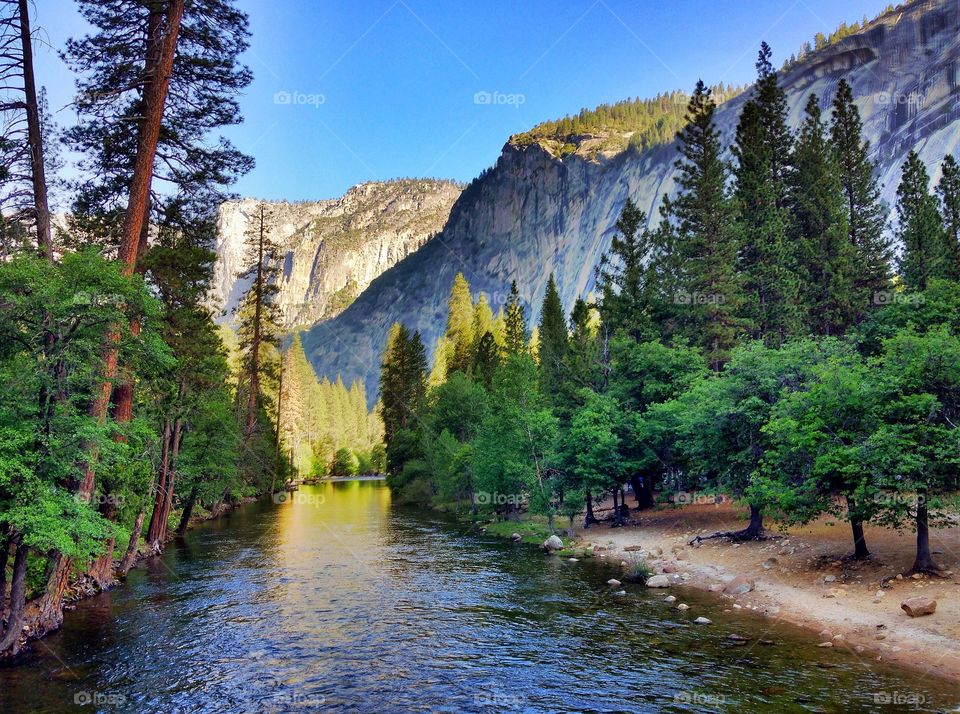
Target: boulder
[919, 606]
[613, 582]
[552, 543]
[658, 581]
[516, 537]
[683, 606]
[703, 621]
[739, 586]
[670, 599]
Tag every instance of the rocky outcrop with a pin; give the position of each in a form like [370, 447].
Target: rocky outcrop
[535, 213]
[332, 249]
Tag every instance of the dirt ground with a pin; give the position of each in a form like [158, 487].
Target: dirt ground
[804, 576]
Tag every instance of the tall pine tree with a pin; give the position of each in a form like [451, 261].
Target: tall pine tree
[763, 149]
[826, 258]
[920, 230]
[866, 214]
[515, 323]
[948, 192]
[553, 341]
[622, 277]
[708, 293]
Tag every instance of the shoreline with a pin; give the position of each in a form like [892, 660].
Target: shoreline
[82, 588]
[801, 578]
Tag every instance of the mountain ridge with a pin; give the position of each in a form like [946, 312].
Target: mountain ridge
[534, 213]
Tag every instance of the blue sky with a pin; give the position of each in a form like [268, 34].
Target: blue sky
[346, 92]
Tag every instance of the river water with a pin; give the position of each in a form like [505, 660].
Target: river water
[338, 601]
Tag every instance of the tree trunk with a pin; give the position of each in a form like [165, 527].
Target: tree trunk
[130, 557]
[755, 529]
[153, 532]
[35, 138]
[154, 100]
[254, 377]
[4, 556]
[187, 512]
[856, 524]
[171, 478]
[924, 561]
[10, 642]
[589, 519]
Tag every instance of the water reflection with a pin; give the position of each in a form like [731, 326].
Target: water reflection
[337, 600]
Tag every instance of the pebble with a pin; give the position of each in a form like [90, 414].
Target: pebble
[670, 598]
[825, 644]
[683, 606]
[703, 621]
[614, 583]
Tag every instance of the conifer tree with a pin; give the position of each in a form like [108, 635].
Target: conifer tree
[708, 294]
[763, 151]
[402, 380]
[553, 341]
[483, 320]
[258, 315]
[948, 192]
[486, 359]
[622, 276]
[515, 323]
[458, 346]
[825, 255]
[920, 230]
[866, 214]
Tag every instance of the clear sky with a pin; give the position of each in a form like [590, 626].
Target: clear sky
[361, 90]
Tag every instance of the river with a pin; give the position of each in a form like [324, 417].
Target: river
[338, 601]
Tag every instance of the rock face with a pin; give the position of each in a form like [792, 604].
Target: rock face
[919, 606]
[534, 213]
[332, 249]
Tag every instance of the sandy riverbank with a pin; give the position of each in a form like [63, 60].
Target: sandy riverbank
[803, 577]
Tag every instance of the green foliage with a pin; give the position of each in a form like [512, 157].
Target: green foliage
[926, 252]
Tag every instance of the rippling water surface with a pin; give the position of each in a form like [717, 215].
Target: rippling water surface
[339, 602]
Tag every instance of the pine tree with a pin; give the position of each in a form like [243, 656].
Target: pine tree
[258, 315]
[622, 277]
[486, 359]
[826, 258]
[920, 230]
[402, 380]
[553, 341]
[708, 293]
[866, 215]
[483, 320]
[948, 192]
[763, 151]
[458, 345]
[515, 323]
[115, 69]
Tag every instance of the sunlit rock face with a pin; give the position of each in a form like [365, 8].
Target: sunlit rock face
[533, 213]
[332, 249]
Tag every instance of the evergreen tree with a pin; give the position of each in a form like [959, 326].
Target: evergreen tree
[483, 320]
[709, 292]
[553, 341]
[515, 323]
[920, 231]
[763, 151]
[458, 346]
[826, 257]
[486, 359]
[258, 316]
[866, 215]
[622, 276]
[402, 381]
[948, 191]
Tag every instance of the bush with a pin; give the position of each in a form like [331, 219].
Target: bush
[344, 464]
